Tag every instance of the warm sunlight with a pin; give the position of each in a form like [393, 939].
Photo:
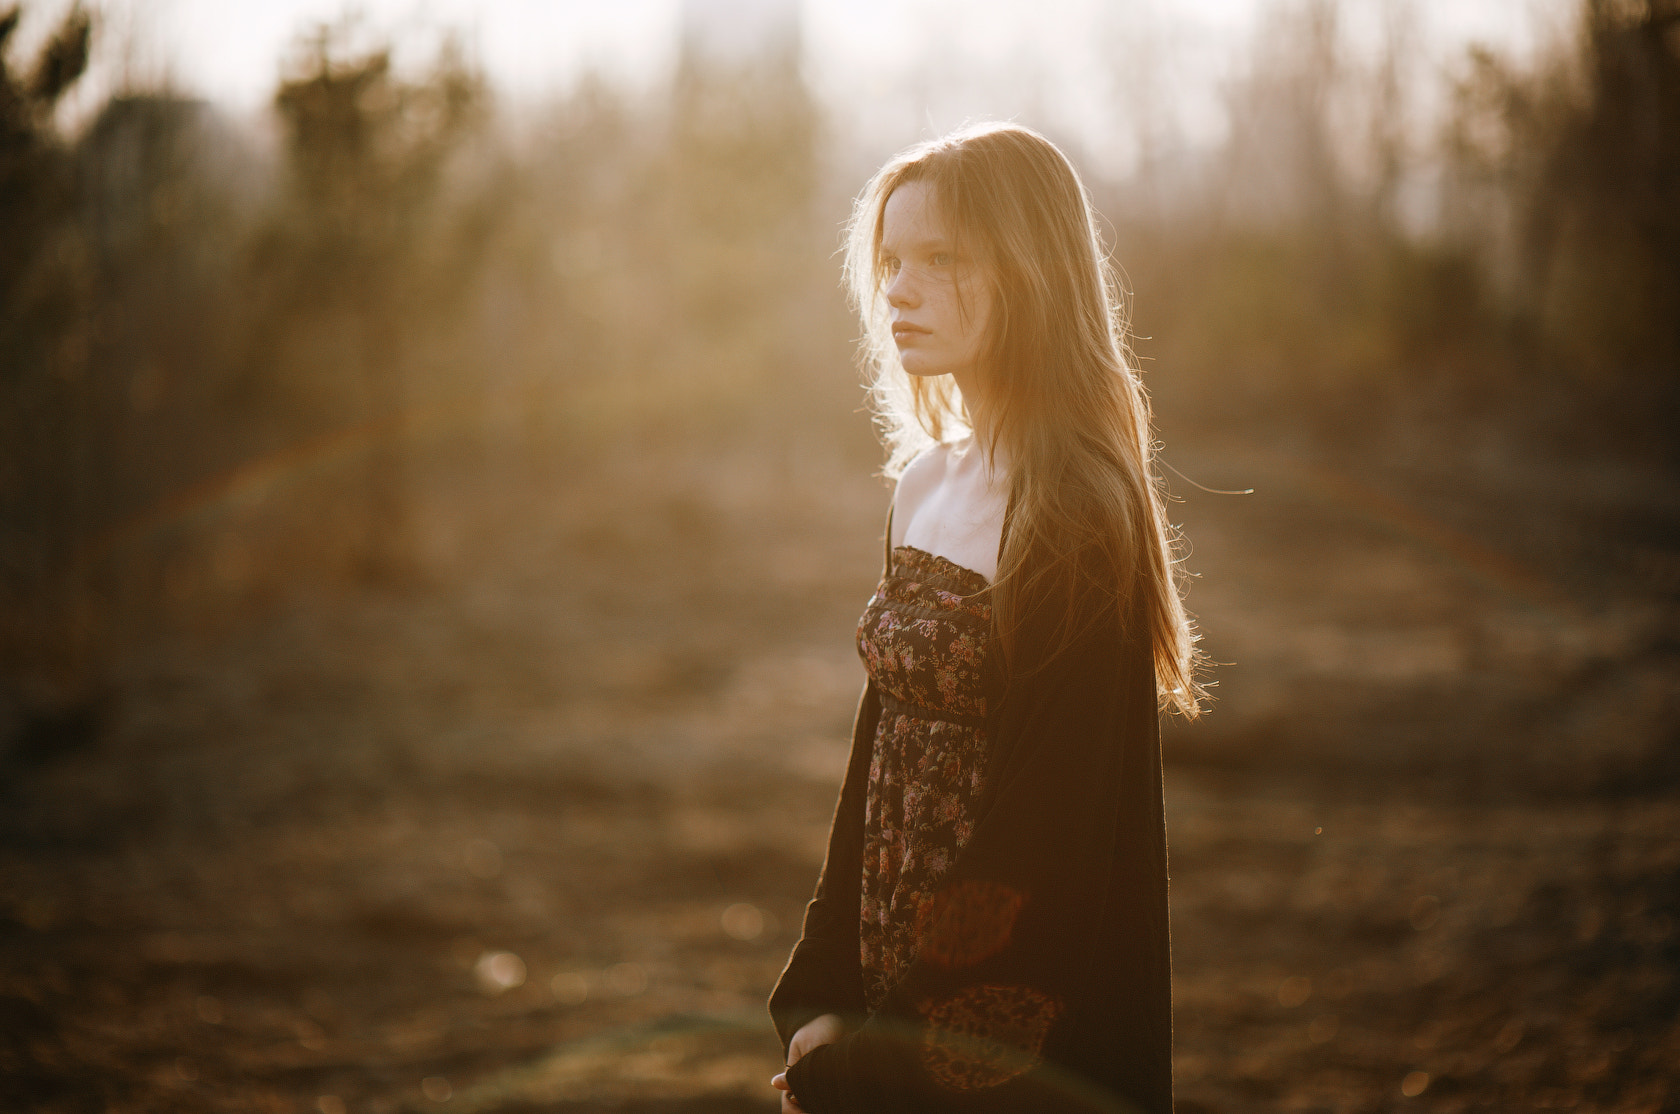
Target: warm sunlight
[660, 556]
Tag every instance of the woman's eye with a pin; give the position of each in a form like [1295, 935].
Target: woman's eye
[941, 259]
[892, 265]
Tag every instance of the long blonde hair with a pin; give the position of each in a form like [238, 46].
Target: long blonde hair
[1087, 531]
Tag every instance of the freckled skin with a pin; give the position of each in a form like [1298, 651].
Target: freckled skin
[940, 302]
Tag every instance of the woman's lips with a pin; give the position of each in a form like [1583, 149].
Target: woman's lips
[903, 330]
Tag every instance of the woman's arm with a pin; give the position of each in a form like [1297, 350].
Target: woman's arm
[824, 973]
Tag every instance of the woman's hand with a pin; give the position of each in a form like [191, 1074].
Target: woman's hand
[788, 1105]
[826, 1029]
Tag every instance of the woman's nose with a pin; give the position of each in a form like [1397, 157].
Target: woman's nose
[901, 291]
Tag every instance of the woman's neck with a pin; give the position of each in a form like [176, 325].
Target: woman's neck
[992, 460]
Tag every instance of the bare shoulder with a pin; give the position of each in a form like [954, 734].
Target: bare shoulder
[919, 479]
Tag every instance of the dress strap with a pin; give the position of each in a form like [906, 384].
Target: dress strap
[886, 542]
[1008, 517]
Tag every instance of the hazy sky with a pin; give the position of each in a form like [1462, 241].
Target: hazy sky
[884, 65]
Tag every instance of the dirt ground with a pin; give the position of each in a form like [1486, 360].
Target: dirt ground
[534, 831]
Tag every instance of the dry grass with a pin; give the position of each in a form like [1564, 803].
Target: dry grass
[1425, 831]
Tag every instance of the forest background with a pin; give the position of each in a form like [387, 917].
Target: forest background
[430, 537]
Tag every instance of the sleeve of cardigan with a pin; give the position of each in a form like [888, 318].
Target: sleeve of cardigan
[824, 974]
[1012, 944]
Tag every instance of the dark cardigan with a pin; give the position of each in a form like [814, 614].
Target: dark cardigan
[1070, 831]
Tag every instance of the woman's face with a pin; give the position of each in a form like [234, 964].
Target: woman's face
[940, 301]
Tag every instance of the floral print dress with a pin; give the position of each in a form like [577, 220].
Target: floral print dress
[923, 639]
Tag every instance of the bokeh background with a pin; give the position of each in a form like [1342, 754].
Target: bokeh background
[436, 498]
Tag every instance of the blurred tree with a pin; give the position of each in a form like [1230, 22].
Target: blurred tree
[47, 446]
[166, 192]
[1281, 164]
[742, 171]
[1604, 225]
[365, 156]
[1288, 275]
[1568, 176]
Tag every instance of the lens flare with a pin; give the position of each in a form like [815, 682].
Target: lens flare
[499, 971]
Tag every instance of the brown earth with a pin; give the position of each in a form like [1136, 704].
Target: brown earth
[533, 832]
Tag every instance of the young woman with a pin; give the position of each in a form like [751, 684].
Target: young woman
[989, 930]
